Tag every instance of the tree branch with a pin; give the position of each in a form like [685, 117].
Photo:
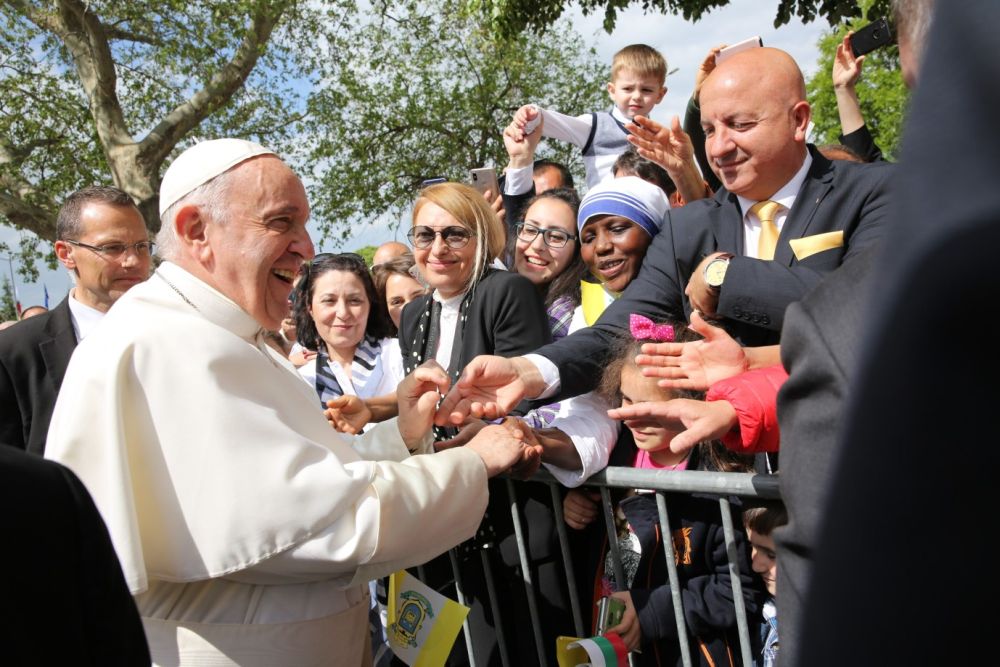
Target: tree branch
[161, 140]
[17, 196]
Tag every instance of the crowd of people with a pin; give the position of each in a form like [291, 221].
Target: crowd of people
[233, 440]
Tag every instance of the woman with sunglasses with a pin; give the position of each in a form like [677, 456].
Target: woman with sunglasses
[546, 250]
[473, 308]
[337, 315]
[476, 309]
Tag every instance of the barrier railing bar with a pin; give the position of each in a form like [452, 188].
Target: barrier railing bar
[495, 606]
[453, 557]
[529, 588]
[739, 604]
[616, 557]
[574, 599]
[675, 586]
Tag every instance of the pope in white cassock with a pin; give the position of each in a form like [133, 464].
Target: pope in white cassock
[245, 525]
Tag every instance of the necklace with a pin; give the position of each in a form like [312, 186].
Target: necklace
[179, 293]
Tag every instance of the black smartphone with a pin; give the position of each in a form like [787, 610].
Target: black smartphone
[872, 36]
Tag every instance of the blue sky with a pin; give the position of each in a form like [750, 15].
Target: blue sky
[683, 44]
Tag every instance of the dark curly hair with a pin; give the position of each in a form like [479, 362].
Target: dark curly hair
[306, 333]
[567, 283]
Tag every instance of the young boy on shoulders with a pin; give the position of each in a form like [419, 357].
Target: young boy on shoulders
[638, 73]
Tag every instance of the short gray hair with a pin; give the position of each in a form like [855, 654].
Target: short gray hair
[211, 197]
[913, 21]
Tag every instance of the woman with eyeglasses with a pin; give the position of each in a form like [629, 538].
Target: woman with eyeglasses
[336, 314]
[473, 308]
[476, 309]
[545, 249]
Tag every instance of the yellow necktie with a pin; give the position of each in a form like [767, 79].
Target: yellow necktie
[765, 211]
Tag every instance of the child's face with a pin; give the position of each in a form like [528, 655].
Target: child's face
[613, 247]
[765, 560]
[636, 388]
[635, 94]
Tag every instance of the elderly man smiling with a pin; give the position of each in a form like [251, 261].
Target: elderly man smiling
[245, 525]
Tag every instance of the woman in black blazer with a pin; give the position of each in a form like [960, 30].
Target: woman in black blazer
[475, 309]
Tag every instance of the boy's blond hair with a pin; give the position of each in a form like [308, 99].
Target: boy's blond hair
[642, 59]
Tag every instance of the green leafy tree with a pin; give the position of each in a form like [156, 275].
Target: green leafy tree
[427, 92]
[511, 17]
[8, 309]
[367, 253]
[881, 91]
[92, 92]
[369, 100]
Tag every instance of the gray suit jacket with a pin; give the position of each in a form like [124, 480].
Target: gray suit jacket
[836, 197]
[34, 355]
[819, 349]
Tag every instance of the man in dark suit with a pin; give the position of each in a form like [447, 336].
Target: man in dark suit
[820, 348]
[913, 490]
[103, 242]
[64, 598]
[708, 256]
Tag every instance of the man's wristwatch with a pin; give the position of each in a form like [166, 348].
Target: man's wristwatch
[715, 271]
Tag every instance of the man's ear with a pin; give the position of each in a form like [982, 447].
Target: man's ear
[191, 229]
[801, 114]
[64, 252]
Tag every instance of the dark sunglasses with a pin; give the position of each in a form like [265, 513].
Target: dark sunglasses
[423, 237]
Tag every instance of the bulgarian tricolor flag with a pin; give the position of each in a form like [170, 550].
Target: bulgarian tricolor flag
[606, 650]
[423, 624]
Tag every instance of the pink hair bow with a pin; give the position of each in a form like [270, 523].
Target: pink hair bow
[643, 328]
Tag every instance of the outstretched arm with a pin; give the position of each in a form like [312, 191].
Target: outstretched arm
[671, 148]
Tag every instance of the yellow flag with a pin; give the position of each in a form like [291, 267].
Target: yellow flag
[423, 624]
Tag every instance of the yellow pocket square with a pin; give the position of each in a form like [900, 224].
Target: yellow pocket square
[810, 245]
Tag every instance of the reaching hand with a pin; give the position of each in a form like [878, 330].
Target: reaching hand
[497, 206]
[489, 388]
[498, 447]
[846, 68]
[521, 117]
[347, 414]
[695, 365]
[521, 147]
[465, 434]
[629, 629]
[531, 456]
[694, 421]
[671, 148]
[580, 508]
[707, 67]
[418, 395]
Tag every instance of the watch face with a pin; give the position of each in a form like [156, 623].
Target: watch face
[715, 272]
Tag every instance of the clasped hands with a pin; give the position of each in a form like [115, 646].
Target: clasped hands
[510, 445]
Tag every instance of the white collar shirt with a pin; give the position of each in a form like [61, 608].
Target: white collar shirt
[84, 317]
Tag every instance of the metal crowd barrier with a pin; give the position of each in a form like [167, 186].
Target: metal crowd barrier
[743, 485]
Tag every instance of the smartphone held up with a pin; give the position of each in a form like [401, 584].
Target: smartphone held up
[874, 35]
[484, 179]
